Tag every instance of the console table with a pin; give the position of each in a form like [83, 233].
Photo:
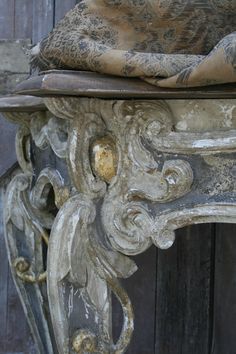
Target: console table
[133, 164]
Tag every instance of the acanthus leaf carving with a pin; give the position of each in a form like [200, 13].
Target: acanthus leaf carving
[131, 174]
[80, 265]
[27, 221]
[24, 235]
[142, 177]
[48, 130]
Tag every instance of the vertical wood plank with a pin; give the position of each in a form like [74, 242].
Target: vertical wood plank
[224, 340]
[7, 147]
[183, 293]
[3, 280]
[62, 7]
[141, 288]
[43, 19]
[23, 19]
[7, 19]
[17, 333]
[18, 19]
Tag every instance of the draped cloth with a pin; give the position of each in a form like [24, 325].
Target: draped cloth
[169, 43]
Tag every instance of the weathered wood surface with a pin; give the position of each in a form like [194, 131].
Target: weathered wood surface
[14, 103]
[19, 19]
[184, 281]
[14, 67]
[185, 277]
[176, 313]
[43, 19]
[14, 332]
[142, 285]
[61, 7]
[176, 293]
[7, 19]
[88, 84]
[23, 19]
[7, 142]
[224, 311]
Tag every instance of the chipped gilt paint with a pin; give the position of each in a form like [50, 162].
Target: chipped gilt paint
[130, 172]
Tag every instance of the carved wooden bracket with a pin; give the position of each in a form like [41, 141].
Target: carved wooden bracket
[125, 177]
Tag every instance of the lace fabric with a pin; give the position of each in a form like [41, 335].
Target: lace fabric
[169, 43]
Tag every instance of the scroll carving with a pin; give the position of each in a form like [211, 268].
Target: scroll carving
[47, 179]
[47, 130]
[23, 152]
[167, 223]
[86, 124]
[90, 271]
[24, 237]
[132, 182]
[28, 219]
[145, 177]
[148, 178]
[195, 143]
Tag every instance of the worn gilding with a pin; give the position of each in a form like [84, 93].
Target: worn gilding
[104, 158]
[128, 174]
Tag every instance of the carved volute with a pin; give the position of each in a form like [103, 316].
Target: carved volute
[126, 174]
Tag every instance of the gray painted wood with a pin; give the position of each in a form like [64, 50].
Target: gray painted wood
[13, 68]
[142, 285]
[7, 19]
[4, 269]
[17, 331]
[183, 293]
[62, 7]
[19, 19]
[183, 309]
[43, 19]
[7, 143]
[23, 19]
[225, 290]
[15, 336]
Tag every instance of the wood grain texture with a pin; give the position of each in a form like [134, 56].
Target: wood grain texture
[7, 144]
[183, 293]
[17, 334]
[14, 332]
[43, 19]
[7, 19]
[142, 285]
[3, 279]
[90, 84]
[225, 290]
[13, 68]
[23, 19]
[181, 313]
[19, 19]
[61, 8]
[21, 104]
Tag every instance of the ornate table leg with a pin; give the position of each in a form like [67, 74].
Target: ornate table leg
[124, 177]
[27, 222]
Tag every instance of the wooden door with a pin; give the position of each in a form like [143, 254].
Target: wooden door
[184, 298]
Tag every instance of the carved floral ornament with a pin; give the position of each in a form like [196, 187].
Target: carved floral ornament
[131, 180]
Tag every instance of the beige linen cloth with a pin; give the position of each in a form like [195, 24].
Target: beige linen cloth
[169, 43]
